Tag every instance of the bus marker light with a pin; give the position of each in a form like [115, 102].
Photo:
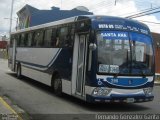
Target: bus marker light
[148, 91]
[107, 100]
[140, 100]
[130, 100]
[116, 100]
[96, 100]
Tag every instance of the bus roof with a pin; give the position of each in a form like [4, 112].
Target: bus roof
[97, 18]
[117, 23]
[109, 18]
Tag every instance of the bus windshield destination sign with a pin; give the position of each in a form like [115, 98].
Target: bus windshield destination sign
[123, 27]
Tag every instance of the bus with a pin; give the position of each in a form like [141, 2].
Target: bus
[94, 58]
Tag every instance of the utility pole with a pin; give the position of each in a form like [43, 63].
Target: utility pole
[115, 2]
[61, 4]
[11, 14]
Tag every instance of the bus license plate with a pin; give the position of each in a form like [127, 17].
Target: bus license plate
[130, 100]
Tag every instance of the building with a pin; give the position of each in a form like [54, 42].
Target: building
[3, 44]
[30, 16]
[156, 38]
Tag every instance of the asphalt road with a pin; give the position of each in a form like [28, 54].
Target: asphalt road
[39, 101]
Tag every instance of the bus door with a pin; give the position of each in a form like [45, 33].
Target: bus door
[13, 55]
[79, 65]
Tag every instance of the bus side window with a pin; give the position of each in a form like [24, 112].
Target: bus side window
[18, 40]
[56, 42]
[29, 42]
[16, 37]
[71, 34]
[22, 39]
[64, 37]
[54, 38]
[26, 39]
[47, 38]
[38, 38]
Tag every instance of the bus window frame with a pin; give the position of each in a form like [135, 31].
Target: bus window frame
[21, 40]
[31, 41]
[50, 45]
[68, 43]
[36, 43]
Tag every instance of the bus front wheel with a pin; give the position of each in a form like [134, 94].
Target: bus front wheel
[57, 85]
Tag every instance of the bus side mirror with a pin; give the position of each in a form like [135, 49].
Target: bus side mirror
[92, 46]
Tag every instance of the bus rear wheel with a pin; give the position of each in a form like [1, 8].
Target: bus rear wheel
[57, 85]
[18, 72]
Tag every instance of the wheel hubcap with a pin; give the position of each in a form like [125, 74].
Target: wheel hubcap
[56, 84]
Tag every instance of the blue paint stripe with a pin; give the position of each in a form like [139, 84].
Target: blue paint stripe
[54, 57]
[129, 82]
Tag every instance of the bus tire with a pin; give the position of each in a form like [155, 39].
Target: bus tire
[57, 85]
[18, 72]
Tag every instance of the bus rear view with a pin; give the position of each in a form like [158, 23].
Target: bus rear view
[123, 61]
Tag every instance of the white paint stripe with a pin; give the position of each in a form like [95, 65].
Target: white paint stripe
[37, 75]
[34, 67]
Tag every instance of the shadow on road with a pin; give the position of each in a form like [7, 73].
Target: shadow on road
[97, 107]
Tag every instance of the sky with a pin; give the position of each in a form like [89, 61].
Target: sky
[122, 8]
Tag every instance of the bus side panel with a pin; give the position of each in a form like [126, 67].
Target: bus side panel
[36, 75]
[41, 63]
[63, 65]
[35, 62]
[36, 57]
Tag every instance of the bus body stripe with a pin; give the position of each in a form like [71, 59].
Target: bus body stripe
[40, 67]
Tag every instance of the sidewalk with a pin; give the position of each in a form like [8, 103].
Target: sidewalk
[157, 83]
[7, 112]
[157, 79]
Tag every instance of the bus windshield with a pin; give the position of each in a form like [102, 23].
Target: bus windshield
[127, 53]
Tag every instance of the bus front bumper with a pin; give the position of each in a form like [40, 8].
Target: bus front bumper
[119, 98]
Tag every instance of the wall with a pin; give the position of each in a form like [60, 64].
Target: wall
[3, 44]
[156, 38]
[157, 60]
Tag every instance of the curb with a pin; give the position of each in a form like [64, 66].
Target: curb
[17, 112]
[8, 111]
[157, 83]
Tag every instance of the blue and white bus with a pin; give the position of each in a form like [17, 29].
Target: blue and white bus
[93, 58]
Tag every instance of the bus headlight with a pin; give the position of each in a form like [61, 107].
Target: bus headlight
[148, 91]
[101, 91]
